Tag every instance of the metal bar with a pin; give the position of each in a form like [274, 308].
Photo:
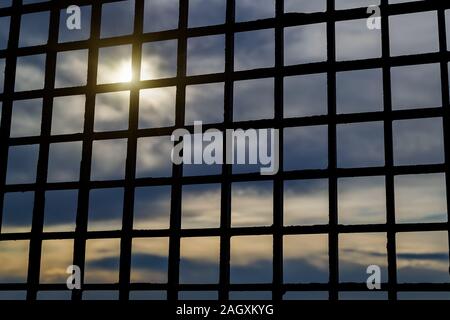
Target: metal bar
[34, 262]
[333, 236]
[177, 170]
[389, 157]
[446, 103]
[225, 196]
[86, 158]
[128, 208]
[277, 292]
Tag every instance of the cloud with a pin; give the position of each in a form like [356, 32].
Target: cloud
[71, 68]
[410, 256]
[153, 157]
[157, 107]
[160, 15]
[206, 55]
[30, 73]
[14, 257]
[197, 213]
[247, 10]
[418, 141]
[111, 111]
[108, 159]
[152, 207]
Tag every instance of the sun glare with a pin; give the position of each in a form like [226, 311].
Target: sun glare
[124, 73]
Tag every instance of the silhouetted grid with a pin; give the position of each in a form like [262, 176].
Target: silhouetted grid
[177, 180]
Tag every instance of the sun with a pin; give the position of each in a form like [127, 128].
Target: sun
[124, 72]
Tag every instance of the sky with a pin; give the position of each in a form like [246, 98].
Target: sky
[419, 198]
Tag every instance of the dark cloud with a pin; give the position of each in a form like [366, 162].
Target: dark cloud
[216, 12]
[60, 207]
[4, 31]
[300, 270]
[139, 261]
[434, 256]
[360, 145]
[18, 209]
[306, 148]
[160, 15]
[422, 274]
[122, 11]
[34, 29]
[439, 256]
[259, 271]
[105, 204]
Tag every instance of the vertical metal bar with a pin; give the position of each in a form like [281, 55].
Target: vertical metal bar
[8, 92]
[277, 293]
[389, 154]
[333, 237]
[177, 171]
[86, 158]
[225, 205]
[34, 263]
[127, 221]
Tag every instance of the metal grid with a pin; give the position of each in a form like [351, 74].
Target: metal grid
[177, 180]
